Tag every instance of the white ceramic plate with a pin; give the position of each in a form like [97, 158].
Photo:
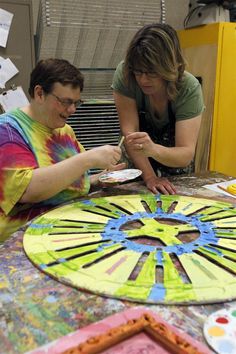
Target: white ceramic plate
[120, 176]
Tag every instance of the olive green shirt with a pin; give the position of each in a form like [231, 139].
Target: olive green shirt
[188, 103]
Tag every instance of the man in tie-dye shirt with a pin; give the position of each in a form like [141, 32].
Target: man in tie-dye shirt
[41, 162]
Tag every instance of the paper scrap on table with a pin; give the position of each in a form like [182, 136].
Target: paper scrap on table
[7, 71]
[12, 99]
[5, 24]
[214, 187]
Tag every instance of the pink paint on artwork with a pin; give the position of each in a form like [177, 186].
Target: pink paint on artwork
[71, 239]
[139, 344]
[115, 265]
[75, 338]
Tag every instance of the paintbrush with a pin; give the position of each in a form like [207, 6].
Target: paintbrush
[119, 144]
[121, 141]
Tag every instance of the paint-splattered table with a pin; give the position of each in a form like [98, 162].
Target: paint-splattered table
[35, 309]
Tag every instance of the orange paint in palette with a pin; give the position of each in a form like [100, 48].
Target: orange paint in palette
[220, 331]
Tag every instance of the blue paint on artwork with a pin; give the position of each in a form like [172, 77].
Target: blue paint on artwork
[140, 248]
[41, 226]
[88, 202]
[206, 230]
[51, 299]
[223, 231]
[158, 197]
[157, 293]
[159, 258]
[119, 213]
[188, 206]
[5, 298]
[213, 250]
[105, 245]
[43, 266]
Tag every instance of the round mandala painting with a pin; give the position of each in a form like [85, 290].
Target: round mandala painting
[145, 248]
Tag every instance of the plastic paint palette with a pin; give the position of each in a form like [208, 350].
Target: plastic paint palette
[120, 176]
[220, 331]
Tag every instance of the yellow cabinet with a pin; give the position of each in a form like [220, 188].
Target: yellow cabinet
[210, 51]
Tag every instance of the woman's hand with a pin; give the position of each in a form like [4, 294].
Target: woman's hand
[141, 141]
[159, 184]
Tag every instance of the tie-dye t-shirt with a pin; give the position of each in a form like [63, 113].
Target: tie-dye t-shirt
[26, 144]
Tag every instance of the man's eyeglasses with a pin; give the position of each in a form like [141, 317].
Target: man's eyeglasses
[66, 102]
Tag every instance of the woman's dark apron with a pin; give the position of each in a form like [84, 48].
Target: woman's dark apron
[164, 136]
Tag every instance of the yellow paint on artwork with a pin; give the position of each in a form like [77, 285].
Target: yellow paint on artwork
[27, 279]
[140, 287]
[76, 251]
[75, 214]
[118, 269]
[203, 272]
[187, 207]
[132, 291]
[171, 275]
[130, 203]
[155, 229]
[175, 287]
[89, 258]
[230, 254]
[99, 279]
[228, 264]
[231, 244]
[13, 270]
[148, 271]
[224, 215]
[228, 222]
[37, 244]
[63, 243]
[70, 240]
[4, 285]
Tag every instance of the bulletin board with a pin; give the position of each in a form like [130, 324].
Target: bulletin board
[20, 43]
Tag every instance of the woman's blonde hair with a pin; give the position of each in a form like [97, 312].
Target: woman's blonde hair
[156, 49]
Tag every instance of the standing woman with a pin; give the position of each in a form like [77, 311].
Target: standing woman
[159, 106]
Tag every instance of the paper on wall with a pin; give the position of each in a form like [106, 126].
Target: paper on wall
[12, 99]
[7, 71]
[5, 24]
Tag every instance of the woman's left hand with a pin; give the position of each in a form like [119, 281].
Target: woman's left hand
[141, 141]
